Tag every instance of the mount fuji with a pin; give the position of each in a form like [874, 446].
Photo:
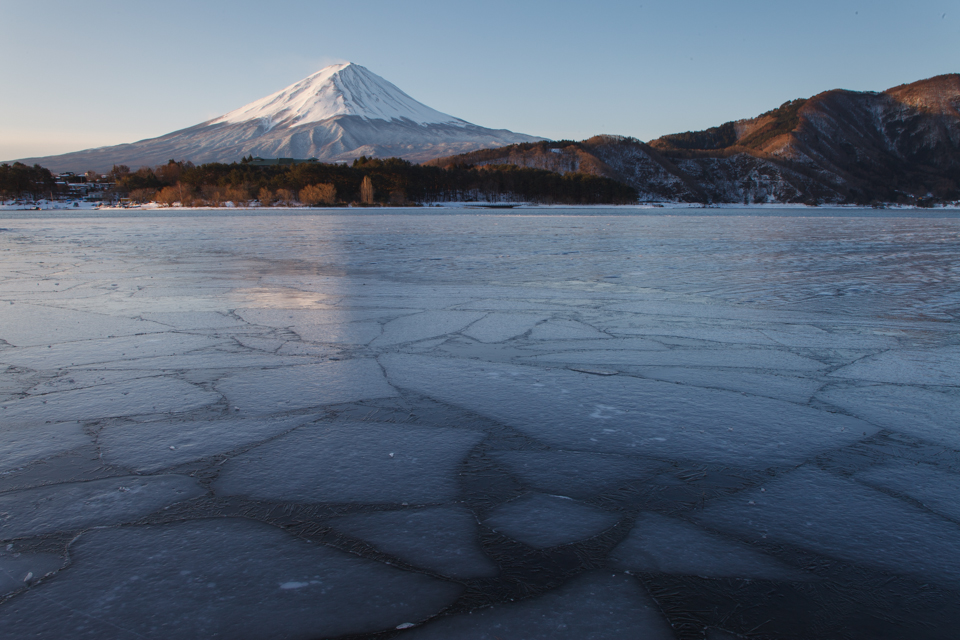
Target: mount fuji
[341, 112]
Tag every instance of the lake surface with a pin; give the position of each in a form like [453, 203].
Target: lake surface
[544, 423]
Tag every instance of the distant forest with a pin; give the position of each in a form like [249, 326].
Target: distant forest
[18, 180]
[366, 181]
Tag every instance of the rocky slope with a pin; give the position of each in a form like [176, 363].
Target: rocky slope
[340, 113]
[901, 145]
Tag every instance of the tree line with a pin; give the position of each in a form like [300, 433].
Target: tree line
[18, 180]
[367, 181]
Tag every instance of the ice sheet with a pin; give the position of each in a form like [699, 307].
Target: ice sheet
[18, 570]
[24, 444]
[497, 327]
[222, 577]
[737, 319]
[324, 325]
[150, 446]
[842, 519]
[659, 544]
[576, 474]
[565, 330]
[597, 606]
[940, 366]
[616, 414]
[606, 344]
[352, 333]
[935, 488]
[783, 386]
[289, 388]
[79, 505]
[540, 520]
[86, 352]
[195, 319]
[283, 318]
[441, 539]
[930, 415]
[214, 359]
[69, 379]
[421, 326]
[734, 358]
[26, 325]
[353, 462]
[136, 397]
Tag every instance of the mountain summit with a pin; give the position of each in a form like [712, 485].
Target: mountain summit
[338, 90]
[341, 112]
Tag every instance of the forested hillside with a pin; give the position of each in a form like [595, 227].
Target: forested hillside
[898, 146]
[366, 181]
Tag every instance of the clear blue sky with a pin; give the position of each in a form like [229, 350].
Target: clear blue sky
[90, 73]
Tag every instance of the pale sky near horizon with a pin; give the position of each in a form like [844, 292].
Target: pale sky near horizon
[98, 72]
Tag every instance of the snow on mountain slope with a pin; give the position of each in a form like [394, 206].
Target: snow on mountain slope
[338, 114]
[338, 90]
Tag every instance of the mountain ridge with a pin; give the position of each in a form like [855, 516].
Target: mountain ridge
[342, 112]
[839, 146]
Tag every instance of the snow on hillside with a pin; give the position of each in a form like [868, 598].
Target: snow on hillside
[338, 90]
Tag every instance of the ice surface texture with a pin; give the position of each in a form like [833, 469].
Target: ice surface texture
[845, 520]
[594, 607]
[479, 426]
[658, 544]
[68, 507]
[547, 521]
[354, 462]
[615, 414]
[275, 390]
[18, 570]
[22, 445]
[208, 577]
[137, 397]
[151, 446]
[437, 538]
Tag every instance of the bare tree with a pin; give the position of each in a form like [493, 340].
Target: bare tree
[315, 194]
[143, 196]
[285, 196]
[265, 197]
[239, 196]
[366, 190]
[180, 192]
[118, 171]
[213, 195]
[168, 196]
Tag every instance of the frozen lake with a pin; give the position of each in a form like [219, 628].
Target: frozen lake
[474, 425]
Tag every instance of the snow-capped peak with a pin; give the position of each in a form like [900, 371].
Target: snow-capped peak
[338, 90]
